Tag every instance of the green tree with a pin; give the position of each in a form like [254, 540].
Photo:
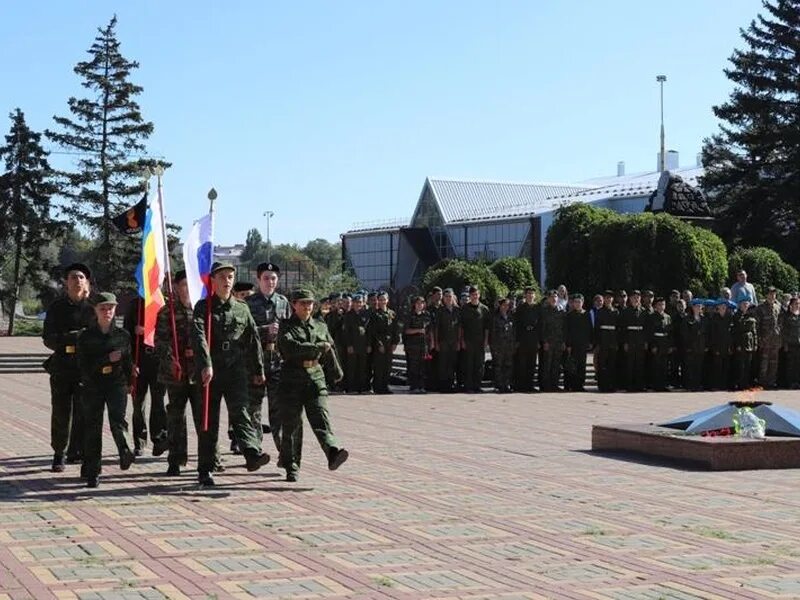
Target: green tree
[458, 274]
[252, 245]
[26, 188]
[108, 132]
[515, 273]
[325, 254]
[764, 268]
[751, 163]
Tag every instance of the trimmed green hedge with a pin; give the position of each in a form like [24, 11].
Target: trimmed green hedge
[516, 274]
[764, 268]
[591, 249]
[458, 274]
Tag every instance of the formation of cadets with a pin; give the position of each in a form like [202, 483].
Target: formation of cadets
[260, 344]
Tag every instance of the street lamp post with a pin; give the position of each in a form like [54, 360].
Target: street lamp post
[663, 157]
[269, 214]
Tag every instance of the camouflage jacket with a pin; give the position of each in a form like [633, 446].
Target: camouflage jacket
[301, 344]
[382, 329]
[65, 320]
[234, 337]
[354, 330]
[475, 323]
[769, 323]
[184, 324]
[790, 329]
[502, 335]
[416, 321]
[265, 311]
[745, 331]
[96, 369]
[552, 325]
[448, 325]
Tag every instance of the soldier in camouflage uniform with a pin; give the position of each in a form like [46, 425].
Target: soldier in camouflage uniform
[578, 339]
[790, 336]
[634, 342]
[694, 333]
[552, 328]
[720, 342]
[302, 341]
[475, 322]
[233, 360]
[745, 341]
[269, 309]
[66, 317]
[357, 343]
[432, 307]
[769, 338]
[106, 367]
[606, 343]
[502, 340]
[526, 325]
[415, 343]
[661, 343]
[383, 336]
[447, 341]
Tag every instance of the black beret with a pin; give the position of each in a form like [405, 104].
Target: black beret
[242, 286]
[372, 295]
[576, 297]
[608, 293]
[267, 266]
[78, 267]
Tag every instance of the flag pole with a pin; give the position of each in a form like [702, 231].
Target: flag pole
[212, 196]
[159, 170]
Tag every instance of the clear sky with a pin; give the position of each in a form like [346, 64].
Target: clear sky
[331, 113]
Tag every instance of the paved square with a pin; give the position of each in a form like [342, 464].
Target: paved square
[481, 497]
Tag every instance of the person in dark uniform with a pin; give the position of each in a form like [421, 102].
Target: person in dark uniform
[694, 333]
[745, 342]
[146, 379]
[790, 337]
[302, 341]
[447, 341]
[526, 325]
[233, 360]
[431, 371]
[415, 343]
[502, 341]
[106, 368]
[578, 339]
[634, 342]
[242, 290]
[720, 342]
[606, 343]
[475, 322]
[357, 344]
[383, 337]
[66, 317]
[269, 309]
[552, 332]
[660, 343]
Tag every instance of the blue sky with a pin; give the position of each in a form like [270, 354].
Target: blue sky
[330, 113]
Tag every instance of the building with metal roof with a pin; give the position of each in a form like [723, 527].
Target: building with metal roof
[456, 218]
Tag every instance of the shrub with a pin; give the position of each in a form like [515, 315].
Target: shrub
[515, 273]
[764, 268]
[458, 274]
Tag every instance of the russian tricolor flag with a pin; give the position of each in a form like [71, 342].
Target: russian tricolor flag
[198, 252]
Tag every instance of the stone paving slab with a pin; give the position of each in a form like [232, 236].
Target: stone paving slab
[460, 497]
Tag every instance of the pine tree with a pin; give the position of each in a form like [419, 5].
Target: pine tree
[26, 188]
[753, 163]
[108, 131]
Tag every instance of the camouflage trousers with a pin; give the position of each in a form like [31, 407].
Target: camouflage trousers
[415, 366]
[768, 365]
[503, 366]
[95, 401]
[147, 380]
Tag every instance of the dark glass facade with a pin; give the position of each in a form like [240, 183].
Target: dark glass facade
[373, 257]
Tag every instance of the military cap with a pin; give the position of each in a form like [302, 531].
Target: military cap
[529, 288]
[243, 286]
[576, 297]
[302, 294]
[221, 266]
[742, 299]
[436, 289]
[447, 291]
[179, 275]
[105, 298]
[463, 295]
[659, 299]
[697, 302]
[552, 293]
[636, 293]
[358, 298]
[78, 267]
[372, 295]
[674, 293]
[267, 266]
[347, 296]
[608, 293]
[472, 289]
[648, 293]
[383, 294]
[771, 289]
[335, 295]
[622, 293]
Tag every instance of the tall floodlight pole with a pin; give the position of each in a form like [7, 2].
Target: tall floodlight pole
[663, 157]
[269, 214]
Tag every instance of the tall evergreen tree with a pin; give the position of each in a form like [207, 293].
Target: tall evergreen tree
[108, 131]
[26, 224]
[753, 163]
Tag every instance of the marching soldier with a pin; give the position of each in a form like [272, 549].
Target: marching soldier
[302, 341]
[660, 343]
[447, 341]
[475, 322]
[634, 342]
[146, 379]
[269, 309]
[790, 335]
[694, 333]
[552, 331]
[383, 339]
[356, 339]
[66, 317]
[106, 368]
[502, 339]
[526, 326]
[769, 338]
[745, 341]
[720, 342]
[233, 359]
[606, 343]
[578, 338]
[415, 343]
